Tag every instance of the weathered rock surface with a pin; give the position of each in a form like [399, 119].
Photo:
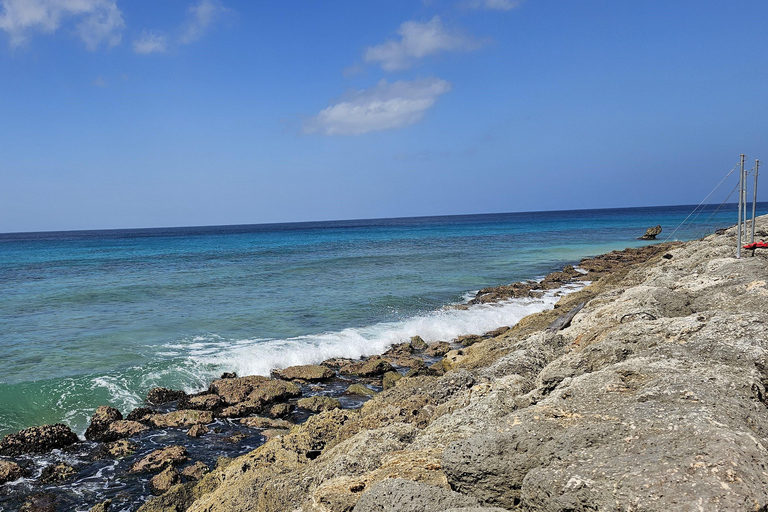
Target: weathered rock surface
[389, 379]
[159, 459]
[38, 440]
[259, 422]
[438, 348]
[56, 473]
[10, 471]
[398, 495]
[164, 480]
[651, 233]
[197, 430]
[307, 372]
[183, 418]
[157, 396]
[319, 403]
[100, 421]
[417, 343]
[195, 471]
[359, 389]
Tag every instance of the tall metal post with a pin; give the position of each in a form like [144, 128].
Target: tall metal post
[741, 198]
[754, 201]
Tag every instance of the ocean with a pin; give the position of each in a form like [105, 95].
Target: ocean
[99, 317]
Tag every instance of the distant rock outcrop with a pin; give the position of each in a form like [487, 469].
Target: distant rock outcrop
[651, 233]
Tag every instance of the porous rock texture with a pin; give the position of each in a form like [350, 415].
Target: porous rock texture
[654, 398]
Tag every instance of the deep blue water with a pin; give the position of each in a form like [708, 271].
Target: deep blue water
[88, 318]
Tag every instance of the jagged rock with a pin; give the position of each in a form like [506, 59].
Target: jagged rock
[505, 328]
[240, 410]
[121, 429]
[651, 233]
[104, 506]
[235, 438]
[374, 367]
[141, 414]
[100, 421]
[39, 503]
[183, 418]
[37, 440]
[281, 410]
[389, 379]
[157, 396]
[398, 495]
[359, 389]
[417, 343]
[319, 403]
[236, 390]
[228, 375]
[469, 339]
[159, 459]
[259, 422]
[307, 372]
[203, 402]
[197, 430]
[10, 471]
[57, 473]
[164, 480]
[438, 348]
[116, 450]
[196, 471]
[270, 433]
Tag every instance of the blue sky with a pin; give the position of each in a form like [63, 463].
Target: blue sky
[117, 113]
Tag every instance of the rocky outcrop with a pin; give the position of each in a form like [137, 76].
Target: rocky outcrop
[100, 422]
[183, 418]
[38, 440]
[157, 396]
[319, 403]
[651, 233]
[57, 473]
[10, 471]
[307, 372]
[160, 459]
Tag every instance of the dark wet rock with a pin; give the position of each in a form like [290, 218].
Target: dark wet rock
[104, 506]
[417, 343]
[389, 379]
[202, 402]
[38, 440]
[281, 410]
[141, 414]
[10, 471]
[497, 332]
[469, 339]
[240, 410]
[157, 396]
[122, 429]
[176, 499]
[359, 389]
[235, 438]
[164, 480]
[116, 450]
[100, 421]
[195, 471]
[260, 422]
[434, 370]
[57, 473]
[39, 503]
[169, 456]
[229, 375]
[651, 233]
[373, 368]
[398, 495]
[307, 372]
[438, 348]
[197, 430]
[184, 418]
[319, 403]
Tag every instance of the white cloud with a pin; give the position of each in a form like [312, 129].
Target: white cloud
[150, 42]
[496, 5]
[200, 17]
[97, 21]
[383, 107]
[418, 40]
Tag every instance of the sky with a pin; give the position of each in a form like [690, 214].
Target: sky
[127, 114]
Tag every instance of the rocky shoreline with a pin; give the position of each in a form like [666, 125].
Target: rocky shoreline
[641, 391]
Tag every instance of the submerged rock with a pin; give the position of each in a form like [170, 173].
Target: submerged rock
[307, 372]
[39, 503]
[38, 440]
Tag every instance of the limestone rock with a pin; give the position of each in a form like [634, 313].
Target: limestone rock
[197, 430]
[202, 402]
[121, 429]
[39, 503]
[438, 348]
[164, 480]
[281, 410]
[651, 233]
[183, 418]
[9, 471]
[159, 459]
[157, 396]
[140, 414]
[236, 390]
[389, 379]
[359, 389]
[259, 422]
[417, 343]
[117, 449]
[319, 403]
[100, 421]
[307, 372]
[38, 440]
[398, 495]
[196, 471]
[469, 339]
[374, 367]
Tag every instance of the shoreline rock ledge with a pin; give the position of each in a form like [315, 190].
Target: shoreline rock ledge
[653, 398]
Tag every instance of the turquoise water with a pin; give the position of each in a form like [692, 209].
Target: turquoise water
[89, 318]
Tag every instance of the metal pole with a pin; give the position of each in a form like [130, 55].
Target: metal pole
[754, 201]
[741, 196]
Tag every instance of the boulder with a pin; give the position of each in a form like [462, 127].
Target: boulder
[38, 440]
[273, 390]
[389, 379]
[100, 421]
[122, 429]
[240, 410]
[116, 450]
[56, 473]
[374, 367]
[169, 456]
[319, 403]
[259, 422]
[417, 343]
[651, 233]
[196, 471]
[183, 418]
[157, 396]
[398, 495]
[359, 389]
[236, 390]
[307, 372]
[469, 339]
[164, 480]
[10, 471]
[203, 402]
[438, 348]
[197, 430]
[141, 414]
[281, 410]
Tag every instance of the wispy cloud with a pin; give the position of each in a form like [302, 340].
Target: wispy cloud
[418, 40]
[383, 107]
[150, 42]
[495, 5]
[200, 17]
[97, 22]
[100, 81]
